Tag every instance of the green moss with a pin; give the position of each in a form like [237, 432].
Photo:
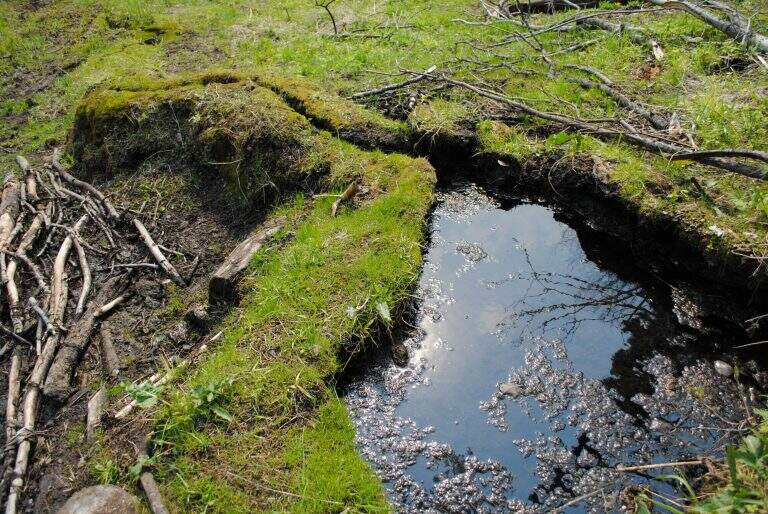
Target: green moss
[499, 138]
[439, 117]
[326, 467]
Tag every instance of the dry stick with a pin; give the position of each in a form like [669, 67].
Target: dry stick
[660, 465]
[111, 211]
[584, 125]
[15, 336]
[636, 35]
[9, 208]
[737, 27]
[152, 491]
[40, 372]
[608, 87]
[576, 501]
[391, 87]
[348, 193]
[159, 380]
[86, 270]
[705, 154]
[157, 254]
[32, 266]
[108, 307]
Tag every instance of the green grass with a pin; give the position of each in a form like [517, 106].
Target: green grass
[281, 348]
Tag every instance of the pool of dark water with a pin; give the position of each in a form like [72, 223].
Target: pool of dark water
[540, 360]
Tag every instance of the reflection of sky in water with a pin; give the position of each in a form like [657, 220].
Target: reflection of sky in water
[505, 284]
[461, 378]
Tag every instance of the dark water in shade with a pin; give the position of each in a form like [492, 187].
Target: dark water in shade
[596, 370]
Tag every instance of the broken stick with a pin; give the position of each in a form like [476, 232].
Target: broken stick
[222, 288]
[157, 254]
[347, 195]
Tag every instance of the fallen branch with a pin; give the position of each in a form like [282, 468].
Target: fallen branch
[708, 154]
[589, 127]
[608, 87]
[737, 26]
[392, 87]
[57, 382]
[659, 465]
[222, 287]
[347, 195]
[157, 254]
[32, 267]
[110, 209]
[636, 35]
[86, 271]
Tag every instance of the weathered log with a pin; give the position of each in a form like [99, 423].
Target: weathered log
[96, 406]
[110, 362]
[57, 382]
[9, 208]
[158, 254]
[222, 288]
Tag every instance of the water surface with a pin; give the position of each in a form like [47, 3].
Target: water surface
[539, 362]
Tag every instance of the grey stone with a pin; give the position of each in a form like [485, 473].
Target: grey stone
[511, 389]
[723, 368]
[101, 499]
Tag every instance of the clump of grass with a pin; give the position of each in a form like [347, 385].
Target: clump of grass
[740, 488]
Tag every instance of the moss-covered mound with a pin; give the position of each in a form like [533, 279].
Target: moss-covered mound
[256, 425]
[255, 129]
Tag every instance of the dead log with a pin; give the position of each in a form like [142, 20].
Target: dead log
[57, 382]
[110, 362]
[96, 407]
[158, 254]
[222, 288]
[9, 208]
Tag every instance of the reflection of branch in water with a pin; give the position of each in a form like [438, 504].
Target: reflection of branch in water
[569, 300]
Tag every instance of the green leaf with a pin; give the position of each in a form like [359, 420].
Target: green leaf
[221, 413]
[754, 445]
[383, 310]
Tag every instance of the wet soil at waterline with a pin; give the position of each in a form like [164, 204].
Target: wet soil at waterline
[539, 361]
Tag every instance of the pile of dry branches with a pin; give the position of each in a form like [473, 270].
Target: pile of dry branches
[67, 259]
